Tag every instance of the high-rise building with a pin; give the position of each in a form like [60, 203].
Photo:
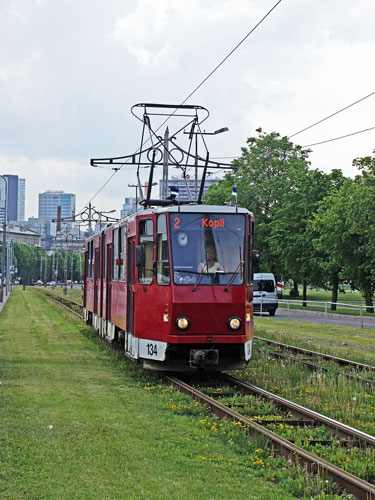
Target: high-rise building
[186, 186]
[49, 201]
[128, 207]
[21, 199]
[16, 198]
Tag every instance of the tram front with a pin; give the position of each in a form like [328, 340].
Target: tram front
[211, 264]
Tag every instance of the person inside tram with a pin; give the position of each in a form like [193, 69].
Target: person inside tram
[211, 264]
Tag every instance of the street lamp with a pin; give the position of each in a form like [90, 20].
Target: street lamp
[215, 132]
[4, 240]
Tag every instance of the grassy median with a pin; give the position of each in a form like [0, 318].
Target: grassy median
[78, 421]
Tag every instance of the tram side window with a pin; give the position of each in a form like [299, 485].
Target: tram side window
[146, 239]
[115, 256]
[122, 251]
[104, 256]
[97, 262]
[163, 273]
[91, 260]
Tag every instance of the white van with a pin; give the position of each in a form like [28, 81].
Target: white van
[265, 293]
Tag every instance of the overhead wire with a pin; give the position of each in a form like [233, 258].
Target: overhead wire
[337, 138]
[330, 116]
[201, 83]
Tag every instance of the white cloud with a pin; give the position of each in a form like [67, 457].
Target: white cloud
[146, 30]
[70, 71]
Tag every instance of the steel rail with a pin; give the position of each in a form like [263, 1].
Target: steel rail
[298, 410]
[327, 357]
[354, 485]
[65, 306]
[313, 366]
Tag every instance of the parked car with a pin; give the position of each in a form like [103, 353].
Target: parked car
[38, 283]
[265, 293]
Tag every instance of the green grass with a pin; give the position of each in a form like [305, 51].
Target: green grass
[357, 344]
[78, 421]
[330, 393]
[71, 293]
[326, 295]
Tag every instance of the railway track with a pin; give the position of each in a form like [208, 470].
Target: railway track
[301, 416]
[66, 304]
[294, 415]
[318, 355]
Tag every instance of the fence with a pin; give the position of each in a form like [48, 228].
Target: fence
[321, 304]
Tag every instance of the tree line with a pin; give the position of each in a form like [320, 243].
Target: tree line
[312, 227]
[34, 264]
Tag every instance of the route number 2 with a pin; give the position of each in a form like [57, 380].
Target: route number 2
[177, 223]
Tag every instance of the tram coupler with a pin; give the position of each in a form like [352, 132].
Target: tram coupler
[203, 357]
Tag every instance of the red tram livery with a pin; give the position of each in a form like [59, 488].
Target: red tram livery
[174, 286]
[173, 282]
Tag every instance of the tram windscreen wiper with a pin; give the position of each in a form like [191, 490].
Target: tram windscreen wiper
[236, 272]
[234, 275]
[200, 276]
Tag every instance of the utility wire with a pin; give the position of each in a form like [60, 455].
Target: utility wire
[202, 82]
[231, 52]
[337, 138]
[330, 116]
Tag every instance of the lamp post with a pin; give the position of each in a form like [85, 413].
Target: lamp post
[215, 132]
[4, 240]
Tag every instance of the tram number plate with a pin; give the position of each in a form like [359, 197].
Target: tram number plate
[152, 349]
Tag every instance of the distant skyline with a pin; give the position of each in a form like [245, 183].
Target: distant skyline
[70, 72]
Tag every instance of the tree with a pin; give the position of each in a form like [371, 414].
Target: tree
[292, 226]
[267, 175]
[345, 222]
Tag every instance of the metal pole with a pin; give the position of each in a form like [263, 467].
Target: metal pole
[90, 219]
[4, 240]
[80, 268]
[360, 313]
[165, 164]
[72, 270]
[325, 313]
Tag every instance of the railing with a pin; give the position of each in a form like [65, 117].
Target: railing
[321, 304]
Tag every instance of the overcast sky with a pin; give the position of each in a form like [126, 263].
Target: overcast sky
[70, 70]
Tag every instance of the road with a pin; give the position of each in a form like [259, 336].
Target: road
[319, 317]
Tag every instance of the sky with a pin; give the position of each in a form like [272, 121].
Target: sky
[70, 71]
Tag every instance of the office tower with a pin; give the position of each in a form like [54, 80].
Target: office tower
[128, 207]
[16, 198]
[21, 199]
[49, 201]
[186, 186]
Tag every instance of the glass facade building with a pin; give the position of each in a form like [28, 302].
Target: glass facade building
[49, 201]
[16, 198]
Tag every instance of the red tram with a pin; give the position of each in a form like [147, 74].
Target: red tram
[173, 282]
[149, 284]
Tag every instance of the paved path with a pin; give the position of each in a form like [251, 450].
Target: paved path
[319, 317]
[5, 298]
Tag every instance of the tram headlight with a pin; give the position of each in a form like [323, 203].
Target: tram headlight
[234, 323]
[182, 323]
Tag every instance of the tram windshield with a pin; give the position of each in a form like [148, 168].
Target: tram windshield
[208, 249]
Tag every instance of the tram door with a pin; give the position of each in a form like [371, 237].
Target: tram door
[130, 286]
[100, 305]
[96, 278]
[109, 282]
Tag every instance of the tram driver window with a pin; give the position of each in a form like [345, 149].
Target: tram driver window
[146, 239]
